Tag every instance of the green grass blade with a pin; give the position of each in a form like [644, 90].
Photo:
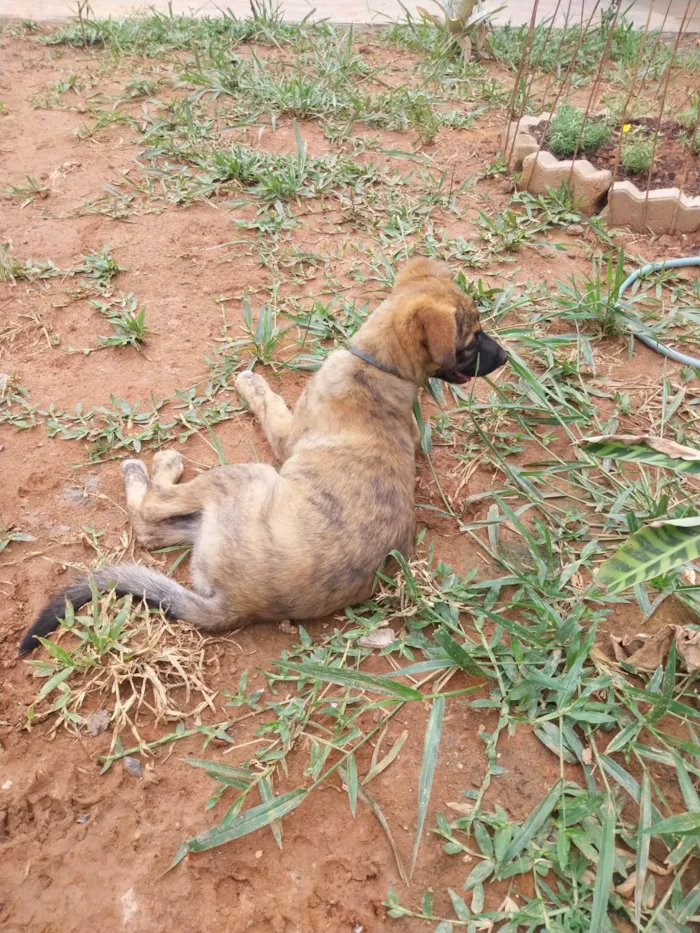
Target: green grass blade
[681, 824]
[267, 794]
[430, 754]
[248, 822]
[606, 862]
[352, 783]
[533, 823]
[458, 654]
[643, 841]
[355, 679]
[656, 451]
[651, 552]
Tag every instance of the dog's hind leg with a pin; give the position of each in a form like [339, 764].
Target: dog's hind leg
[178, 526]
[269, 408]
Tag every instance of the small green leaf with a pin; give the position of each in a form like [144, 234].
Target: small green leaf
[479, 874]
[680, 824]
[380, 766]
[458, 905]
[533, 823]
[54, 682]
[624, 737]
[458, 654]
[267, 795]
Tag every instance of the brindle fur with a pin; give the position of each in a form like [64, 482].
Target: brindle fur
[306, 540]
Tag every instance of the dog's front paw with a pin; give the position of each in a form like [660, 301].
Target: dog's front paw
[251, 388]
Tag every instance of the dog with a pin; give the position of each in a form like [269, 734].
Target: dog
[305, 541]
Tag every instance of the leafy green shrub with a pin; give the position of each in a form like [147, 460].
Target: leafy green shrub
[565, 131]
[636, 153]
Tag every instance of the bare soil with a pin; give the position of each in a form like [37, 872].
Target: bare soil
[60, 872]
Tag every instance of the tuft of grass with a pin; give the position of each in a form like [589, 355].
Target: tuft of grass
[636, 152]
[127, 319]
[128, 652]
[565, 130]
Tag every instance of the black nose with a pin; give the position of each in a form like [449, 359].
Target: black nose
[491, 355]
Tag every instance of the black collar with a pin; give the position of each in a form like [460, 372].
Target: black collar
[368, 358]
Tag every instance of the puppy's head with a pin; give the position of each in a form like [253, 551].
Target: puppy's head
[444, 323]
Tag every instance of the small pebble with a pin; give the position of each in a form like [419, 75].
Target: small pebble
[7, 785]
[83, 819]
[575, 230]
[133, 766]
[259, 853]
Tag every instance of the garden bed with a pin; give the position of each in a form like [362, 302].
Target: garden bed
[670, 155]
[543, 149]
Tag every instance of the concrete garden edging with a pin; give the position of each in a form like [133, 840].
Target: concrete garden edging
[662, 211]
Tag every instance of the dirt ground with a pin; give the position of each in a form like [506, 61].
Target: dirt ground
[61, 872]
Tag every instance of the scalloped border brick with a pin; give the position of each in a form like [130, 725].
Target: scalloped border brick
[590, 185]
[525, 143]
[626, 209]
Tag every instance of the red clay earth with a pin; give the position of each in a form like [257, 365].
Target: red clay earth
[59, 873]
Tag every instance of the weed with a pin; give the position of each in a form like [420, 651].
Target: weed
[596, 298]
[636, 152]
[8, 535]
[26, 192]
[53, 97]
[499, 166]
[99, 269]
[127, 319]
[12, 268]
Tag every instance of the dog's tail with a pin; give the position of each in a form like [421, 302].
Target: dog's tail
[156, 589]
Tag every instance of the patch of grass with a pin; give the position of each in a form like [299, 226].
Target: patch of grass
[566, 128]
[159, 33]
[53, 97]
[99, 269]
[555, 49]
[128, 652]
[636, 152]
[28, 270]
[595, 299]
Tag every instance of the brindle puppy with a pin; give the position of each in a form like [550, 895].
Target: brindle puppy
[305, 541]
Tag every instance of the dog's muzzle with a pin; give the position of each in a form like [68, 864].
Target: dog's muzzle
[480, 358]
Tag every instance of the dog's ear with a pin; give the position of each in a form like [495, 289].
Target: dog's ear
[439, 325]
[421, 268]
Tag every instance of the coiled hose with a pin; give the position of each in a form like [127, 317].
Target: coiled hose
[669, 352]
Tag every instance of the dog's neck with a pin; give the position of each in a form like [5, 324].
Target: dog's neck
[367, 357]
[386, 357]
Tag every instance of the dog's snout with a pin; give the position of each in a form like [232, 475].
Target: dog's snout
[491, 355]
